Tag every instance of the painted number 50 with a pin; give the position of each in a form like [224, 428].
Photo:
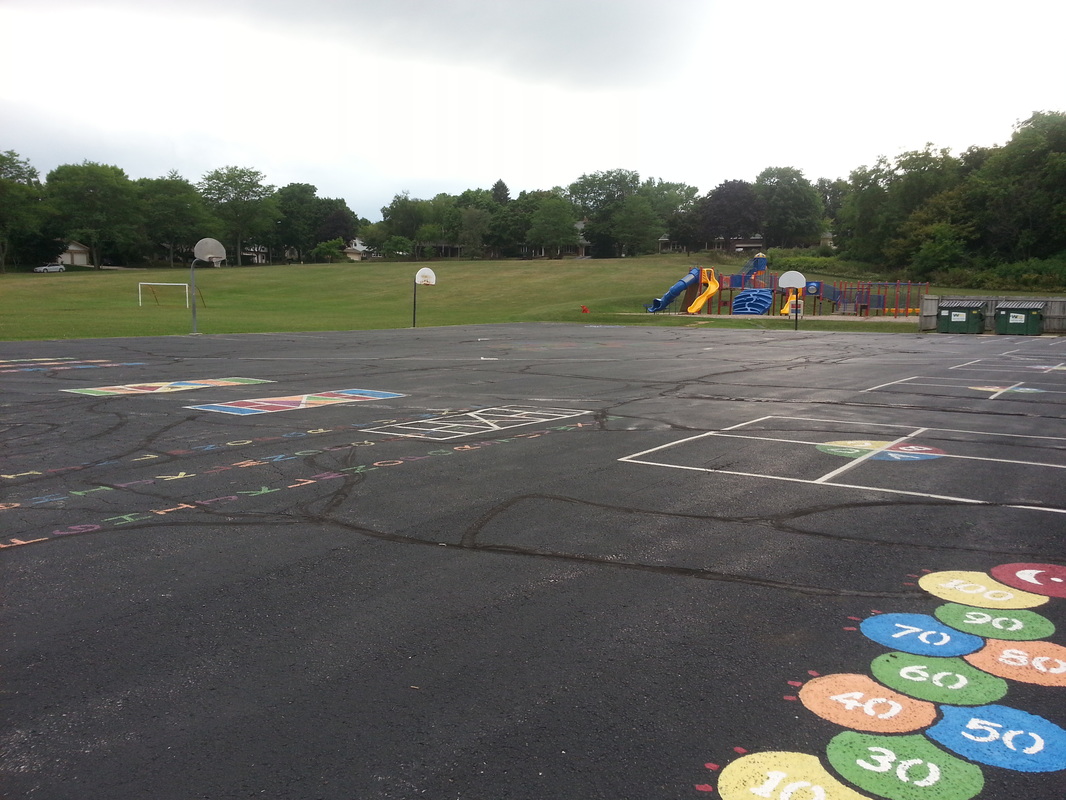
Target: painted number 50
[992, 734]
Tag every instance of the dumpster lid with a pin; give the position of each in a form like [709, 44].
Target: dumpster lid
[1021, 304]
[961, 304]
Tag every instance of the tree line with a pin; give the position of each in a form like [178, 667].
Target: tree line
[985, 211]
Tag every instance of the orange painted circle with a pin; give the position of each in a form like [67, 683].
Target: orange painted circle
[861, 703]
[1040, 663]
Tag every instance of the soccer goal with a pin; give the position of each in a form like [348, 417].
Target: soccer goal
[151, 288]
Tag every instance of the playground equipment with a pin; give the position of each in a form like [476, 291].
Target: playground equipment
[674, 291]
[755, 291]
[711, 286]
[794, 296]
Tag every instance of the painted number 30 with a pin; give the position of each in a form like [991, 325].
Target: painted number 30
[882, 760]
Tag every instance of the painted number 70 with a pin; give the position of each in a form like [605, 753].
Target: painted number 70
[923, 636]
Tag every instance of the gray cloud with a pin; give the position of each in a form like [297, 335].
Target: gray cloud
[594, 44]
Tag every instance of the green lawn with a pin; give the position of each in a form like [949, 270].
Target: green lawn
[359, 296]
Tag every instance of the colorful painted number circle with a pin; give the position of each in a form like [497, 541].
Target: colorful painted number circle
[781, 776]
[920, 634]
[1040, 663]
[1014, 625]
[1001, 736]
[938, 680]
[882, 451]
[861, 703]
[977, 589]
[1049, 579]
[903, 767]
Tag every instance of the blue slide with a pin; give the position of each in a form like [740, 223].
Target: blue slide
[674, 291]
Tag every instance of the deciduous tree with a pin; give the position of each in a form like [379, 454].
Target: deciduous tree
[790, 207]
[174, 213]
[96, 204]
[20, 202]
[243, 203]
[552, 225]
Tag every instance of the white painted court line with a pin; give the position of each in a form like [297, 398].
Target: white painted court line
[1006, 389]
[825, 480]
[892, 383]
[777, 440]
[856, 461]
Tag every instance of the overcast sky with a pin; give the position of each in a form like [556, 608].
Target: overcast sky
[368, 98]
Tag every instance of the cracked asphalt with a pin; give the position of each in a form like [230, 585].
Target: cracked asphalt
[532, 561]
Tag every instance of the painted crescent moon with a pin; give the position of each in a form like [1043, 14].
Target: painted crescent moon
[1029, 575]
[1045, 579]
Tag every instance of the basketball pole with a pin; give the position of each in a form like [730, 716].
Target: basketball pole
[192, 285]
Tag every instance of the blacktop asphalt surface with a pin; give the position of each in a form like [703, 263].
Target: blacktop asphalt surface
[534, 561]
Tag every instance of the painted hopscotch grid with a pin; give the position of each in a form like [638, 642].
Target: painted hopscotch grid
[272, 405]
[53, 364]
[164, 386]
[484, 421]
[903, 447]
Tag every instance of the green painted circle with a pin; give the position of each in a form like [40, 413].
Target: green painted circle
[1014, 625]
[903, 767]
[951, 681]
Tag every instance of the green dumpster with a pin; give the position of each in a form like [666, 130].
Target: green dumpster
[1019, 317]
[960, 317]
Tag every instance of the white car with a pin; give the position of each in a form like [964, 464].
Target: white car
[50, 268]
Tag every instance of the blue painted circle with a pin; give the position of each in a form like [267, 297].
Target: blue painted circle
[919, 634]
[1001, 736]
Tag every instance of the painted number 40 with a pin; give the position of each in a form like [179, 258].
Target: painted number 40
[854, 700]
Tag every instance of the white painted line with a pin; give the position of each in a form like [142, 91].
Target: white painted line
[891, 383]
[925, 495]
[1015, 386]
[826, 480]
[698, 436]
[960, 366]
[938, 455]
[856, 461]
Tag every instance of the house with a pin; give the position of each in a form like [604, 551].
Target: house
[356, 250]
[76, 255]
[749, 246]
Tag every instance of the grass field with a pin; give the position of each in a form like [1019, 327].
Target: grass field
[359, 296]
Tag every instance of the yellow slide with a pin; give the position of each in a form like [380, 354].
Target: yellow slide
[786, 307]
[712, 284]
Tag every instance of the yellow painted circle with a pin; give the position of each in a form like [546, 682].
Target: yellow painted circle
[782, 774]
[978, 589]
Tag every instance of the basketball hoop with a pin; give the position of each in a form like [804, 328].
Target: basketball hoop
[210, 251]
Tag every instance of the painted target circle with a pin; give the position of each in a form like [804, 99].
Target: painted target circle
[882, 451]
